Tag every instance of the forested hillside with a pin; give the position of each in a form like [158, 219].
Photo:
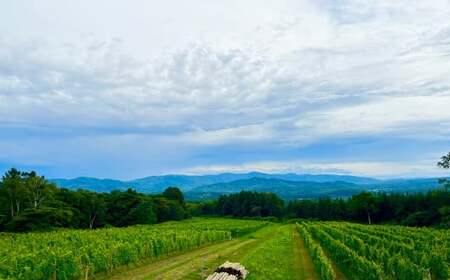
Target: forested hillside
[29, 202]
[288, 186]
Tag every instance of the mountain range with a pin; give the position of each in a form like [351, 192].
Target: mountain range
[287, 186]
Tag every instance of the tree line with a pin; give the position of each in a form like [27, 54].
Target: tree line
[414, 209]
[29, 202]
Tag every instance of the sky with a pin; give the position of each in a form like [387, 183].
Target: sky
[127, 89]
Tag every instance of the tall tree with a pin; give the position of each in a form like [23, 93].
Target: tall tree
[92, 208]
[38, 188]
[363, 203]
[174, 193]
[445, 163]
[119, 206]
[144, 213]
[15, 190]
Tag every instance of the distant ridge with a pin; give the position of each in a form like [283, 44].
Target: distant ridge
[188, 182]
[289, 185]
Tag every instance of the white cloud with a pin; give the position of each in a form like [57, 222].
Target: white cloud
[362, 168]
[280, 73]
[412, 116]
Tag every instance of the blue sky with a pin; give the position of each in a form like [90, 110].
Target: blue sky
[129, 89]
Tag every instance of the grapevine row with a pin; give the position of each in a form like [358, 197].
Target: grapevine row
[320, 260]
[384, 254]
[425, 257]
[75, 254]
[358, 266]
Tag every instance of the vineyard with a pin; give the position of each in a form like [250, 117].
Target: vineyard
[192, 248]
[75, 254]
[377, 252]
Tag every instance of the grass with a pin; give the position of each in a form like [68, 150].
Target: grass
[273, 252]
[302, 260]
[274, 258]
[195, 264]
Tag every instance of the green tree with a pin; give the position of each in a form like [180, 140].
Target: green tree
[15, 190]
[174, 193]
[42, 218]
[168, 210]
[4, 211]
[92, 208]
[120, 204]
[246, 203]
[363, 203]
[445, 163]
[38, 188]
[144, 213]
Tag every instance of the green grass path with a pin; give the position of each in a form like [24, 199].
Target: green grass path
[273, 252]
[302, 260]
[274, 258]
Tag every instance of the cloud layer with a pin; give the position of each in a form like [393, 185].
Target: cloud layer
[149, 88]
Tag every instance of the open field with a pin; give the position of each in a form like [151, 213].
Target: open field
[72, 254]
[192, 249]
[378, 252]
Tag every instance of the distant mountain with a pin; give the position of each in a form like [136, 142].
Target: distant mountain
[186, 182]
[284, 188]
[93, 184]
[307, 189]
[154, 184]
[405, 185]
[288, 185]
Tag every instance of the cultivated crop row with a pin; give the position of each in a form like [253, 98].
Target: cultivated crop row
[368, 252]
[322, 263]
[75, 254]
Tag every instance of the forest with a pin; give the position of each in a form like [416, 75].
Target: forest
[430, 208]
[29, 202]
[415, 209]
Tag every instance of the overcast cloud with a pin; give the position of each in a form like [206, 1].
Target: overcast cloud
[129, 89]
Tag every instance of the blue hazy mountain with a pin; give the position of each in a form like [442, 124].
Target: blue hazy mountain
[284, 188]
[288, 185]
[309, 189]
[154, 184]
[89, 183]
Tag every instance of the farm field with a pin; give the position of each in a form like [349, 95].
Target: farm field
[192, 249]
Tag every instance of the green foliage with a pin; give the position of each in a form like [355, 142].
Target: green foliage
[400, 252]
[75, 254]
[250, 204]
[168, 210]
[38, 219]
[323, 265]
[358, 266]
[418, 209]
[363, 204]
[445, 161]
[174, 193]
[144, 213]
[273, 258]
[29, 202]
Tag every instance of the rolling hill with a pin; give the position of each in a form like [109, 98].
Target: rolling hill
[284, 188]
[154, 184]
[287, 186]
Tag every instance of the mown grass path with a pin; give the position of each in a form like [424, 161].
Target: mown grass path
[273, 252]
[302, 260]
[274, 258]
